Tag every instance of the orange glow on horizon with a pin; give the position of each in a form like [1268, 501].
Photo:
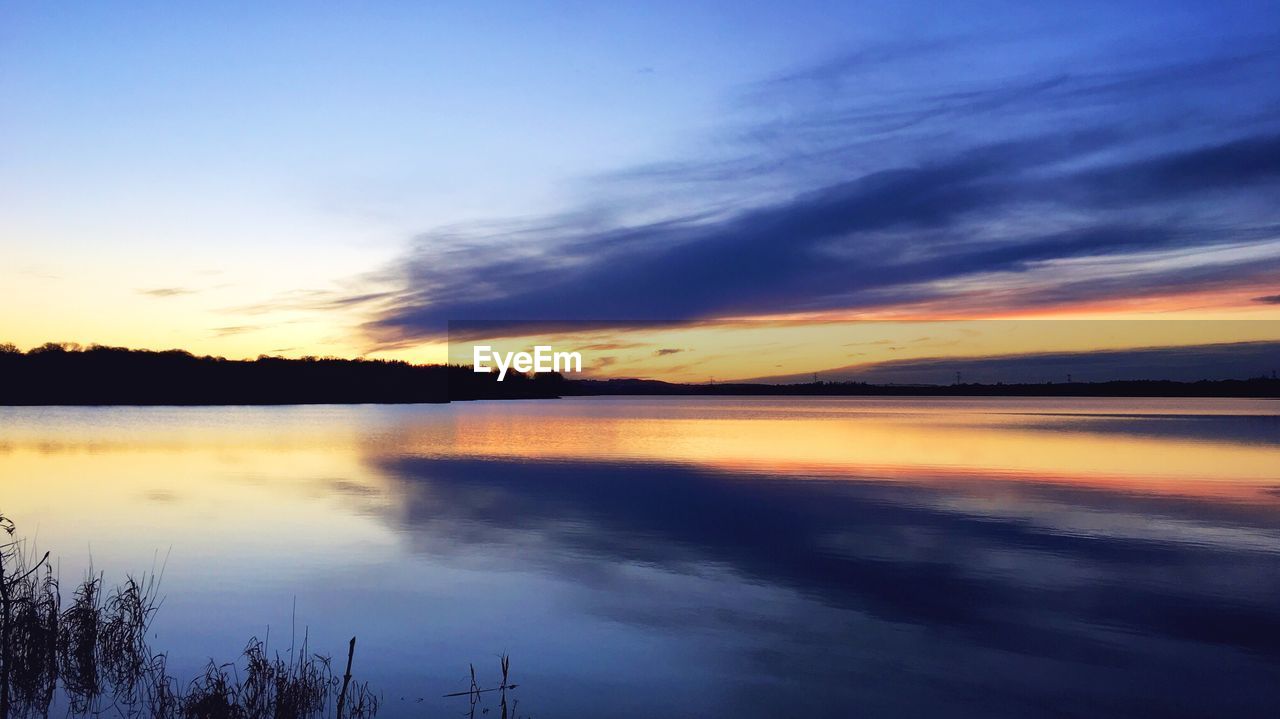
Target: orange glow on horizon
[216, 319]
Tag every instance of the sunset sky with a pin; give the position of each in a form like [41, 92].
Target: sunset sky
[297, 179]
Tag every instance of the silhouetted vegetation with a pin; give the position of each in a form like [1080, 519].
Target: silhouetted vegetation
[93, 657]
[475, 693]
[59, 374]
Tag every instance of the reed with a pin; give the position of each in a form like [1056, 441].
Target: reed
[93, 655]
[475, 693]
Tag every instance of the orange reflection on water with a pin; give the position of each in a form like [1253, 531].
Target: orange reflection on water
[125, 483]
[1096, 442]
[152, 477]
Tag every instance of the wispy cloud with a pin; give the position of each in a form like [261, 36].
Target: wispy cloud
[168, 291]
[945, 192]
[312, 300]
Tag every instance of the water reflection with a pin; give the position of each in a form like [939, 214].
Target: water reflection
[704, 557]
[1073, 581]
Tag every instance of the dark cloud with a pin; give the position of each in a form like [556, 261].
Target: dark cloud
[667, 351]
[1112, 170]
[1269, 299]
[606, 346]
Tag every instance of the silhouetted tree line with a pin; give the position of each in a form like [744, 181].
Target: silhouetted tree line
[66, 374]
[1257, 387]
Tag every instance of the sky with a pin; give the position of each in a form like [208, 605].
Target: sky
[346, 179]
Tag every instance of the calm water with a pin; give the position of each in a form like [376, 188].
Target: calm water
[698, 557]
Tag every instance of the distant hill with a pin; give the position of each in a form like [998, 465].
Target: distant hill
[1260, 387]
[1190, 363]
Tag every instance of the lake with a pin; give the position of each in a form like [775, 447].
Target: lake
[693, 557]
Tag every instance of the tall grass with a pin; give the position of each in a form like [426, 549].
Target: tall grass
[93, 656]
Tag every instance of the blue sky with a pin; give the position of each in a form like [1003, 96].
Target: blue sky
[252, 177]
